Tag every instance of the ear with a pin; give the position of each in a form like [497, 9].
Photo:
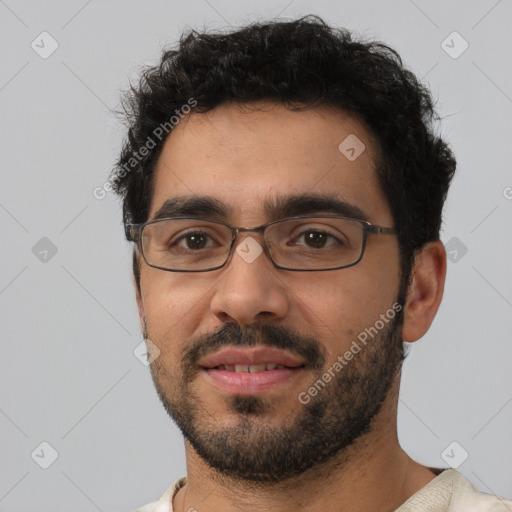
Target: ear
[425, 290]
[140, 303]
[137, 286]
[140, 307]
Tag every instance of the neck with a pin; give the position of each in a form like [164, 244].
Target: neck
[372, 474]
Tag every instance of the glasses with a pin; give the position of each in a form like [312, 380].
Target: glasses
[313, 243]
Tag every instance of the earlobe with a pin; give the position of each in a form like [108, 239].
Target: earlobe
[425, 290]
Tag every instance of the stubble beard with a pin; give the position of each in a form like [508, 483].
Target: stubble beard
[255, 449]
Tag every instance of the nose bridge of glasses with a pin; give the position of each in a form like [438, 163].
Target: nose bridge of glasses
[242, 233]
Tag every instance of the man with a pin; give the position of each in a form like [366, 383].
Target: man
[284, 186]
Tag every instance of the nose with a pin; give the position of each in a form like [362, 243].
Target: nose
[251, 288]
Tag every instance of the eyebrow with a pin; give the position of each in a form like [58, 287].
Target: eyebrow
[276, 208]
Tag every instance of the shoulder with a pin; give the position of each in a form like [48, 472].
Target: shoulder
[451, 491]
[164, 504]
[465, 498]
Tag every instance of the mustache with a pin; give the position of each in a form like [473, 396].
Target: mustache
[274, 336]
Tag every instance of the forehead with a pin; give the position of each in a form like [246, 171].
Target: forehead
[249, 156]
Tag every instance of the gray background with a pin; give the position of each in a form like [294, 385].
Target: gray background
[68, 373]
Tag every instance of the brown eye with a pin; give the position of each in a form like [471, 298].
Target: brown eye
[316, 239]
[195, 241]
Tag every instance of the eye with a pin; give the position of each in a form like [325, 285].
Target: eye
[193, 240]
[315, 238]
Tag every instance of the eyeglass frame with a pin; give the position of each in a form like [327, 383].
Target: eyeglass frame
[134, 234]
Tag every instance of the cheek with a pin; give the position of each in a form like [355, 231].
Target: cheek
[339, 305]
[169, 296]
[353, 297]
[171, 310]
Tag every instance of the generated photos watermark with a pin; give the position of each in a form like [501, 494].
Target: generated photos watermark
[158, 134]
[343, 360]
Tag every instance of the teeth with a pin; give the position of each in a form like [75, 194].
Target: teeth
[250, 368]
[255, 368]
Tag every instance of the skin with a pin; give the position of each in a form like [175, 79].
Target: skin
[243, 157]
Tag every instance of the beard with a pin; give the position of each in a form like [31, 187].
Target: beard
[254, 449]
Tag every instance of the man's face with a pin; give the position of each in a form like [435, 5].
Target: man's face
[244, 160]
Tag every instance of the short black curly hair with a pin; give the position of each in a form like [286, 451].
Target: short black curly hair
[300, 64]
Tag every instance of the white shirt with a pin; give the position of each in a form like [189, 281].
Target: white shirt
[450, 491]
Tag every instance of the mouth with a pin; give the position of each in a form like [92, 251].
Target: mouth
[251, 359]
[252, 368]
[250, 371]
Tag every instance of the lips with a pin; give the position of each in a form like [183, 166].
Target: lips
[250, 360]
[250, 370]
